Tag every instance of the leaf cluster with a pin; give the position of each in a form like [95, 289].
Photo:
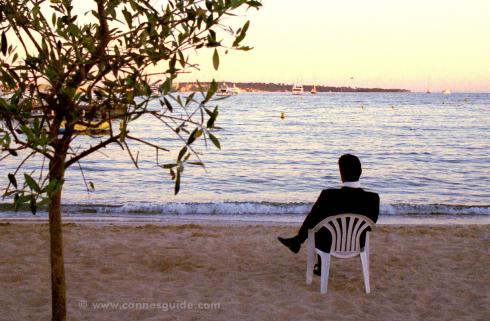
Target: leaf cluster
[62, 69]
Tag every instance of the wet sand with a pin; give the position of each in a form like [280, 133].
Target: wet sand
[241, 272]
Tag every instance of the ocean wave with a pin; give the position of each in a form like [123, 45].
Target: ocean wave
[270, 208]
[212, 208]
[253, 208]
[433, 209]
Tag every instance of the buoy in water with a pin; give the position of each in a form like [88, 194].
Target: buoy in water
[283, 115]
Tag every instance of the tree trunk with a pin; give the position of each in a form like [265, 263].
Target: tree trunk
[58, 286]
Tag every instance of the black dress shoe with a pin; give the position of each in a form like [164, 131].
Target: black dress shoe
[291, 243]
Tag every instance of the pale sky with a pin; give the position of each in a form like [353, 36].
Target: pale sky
[381, 43]
[416, 44]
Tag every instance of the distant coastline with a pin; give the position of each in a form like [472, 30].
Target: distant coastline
[282, 87]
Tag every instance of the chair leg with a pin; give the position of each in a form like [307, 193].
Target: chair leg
[365, 270]
[325, 269]
[310, 258]
[366, 249]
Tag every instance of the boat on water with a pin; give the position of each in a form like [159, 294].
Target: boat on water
[429, 87]
[224, 90]
[446, 91]
[313, 90]
[235, 90]
[89, 128]
[297, 89]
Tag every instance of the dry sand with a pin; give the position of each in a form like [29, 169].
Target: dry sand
[417, 273]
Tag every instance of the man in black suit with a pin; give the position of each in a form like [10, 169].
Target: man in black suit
[351, 198]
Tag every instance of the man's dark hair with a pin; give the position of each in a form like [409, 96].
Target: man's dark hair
[350, 167]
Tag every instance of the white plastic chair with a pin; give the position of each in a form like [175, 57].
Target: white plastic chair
[346, 236]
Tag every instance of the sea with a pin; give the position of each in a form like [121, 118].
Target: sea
[427, 155]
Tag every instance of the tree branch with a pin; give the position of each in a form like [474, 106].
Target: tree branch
[89, 151]
[146, 143]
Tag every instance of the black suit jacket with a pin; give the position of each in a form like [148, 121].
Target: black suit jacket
[339, 201]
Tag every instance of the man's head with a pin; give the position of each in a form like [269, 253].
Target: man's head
[350, 168]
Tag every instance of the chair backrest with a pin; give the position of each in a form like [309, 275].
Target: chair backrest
[346, 231]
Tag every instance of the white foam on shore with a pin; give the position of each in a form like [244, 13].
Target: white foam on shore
[266, 208]
[241, 209]
[260, 212]
[215, 208]
[430, 209]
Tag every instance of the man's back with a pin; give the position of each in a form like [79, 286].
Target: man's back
[340, 201]
[347, 200]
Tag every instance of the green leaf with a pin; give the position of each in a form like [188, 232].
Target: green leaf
[7, 78]
[128, 17]
[16, 202]
[215, 59]
[254, 3]
[196, 133]
[177, 184]
[182, 153]
[12, 179]
[189, 99]
[215, 141]
[197, 163]
[33, 205]
[182, 60]
[32, 183]
[44, 46]
[211, 91]
[4, 43]
[21, 199]
[168, 104]
[54, 186]
[212, 117]
[51, 186]
[179, 101]
[28, 132]
[171, 64]
[242, 34]
[244, 48]
[166, 87]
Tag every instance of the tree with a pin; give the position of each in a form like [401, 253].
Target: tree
[67, 72]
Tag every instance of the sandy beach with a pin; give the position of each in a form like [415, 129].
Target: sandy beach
[241, 272]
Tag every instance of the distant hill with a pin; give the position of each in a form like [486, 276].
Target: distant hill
[273, 87]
